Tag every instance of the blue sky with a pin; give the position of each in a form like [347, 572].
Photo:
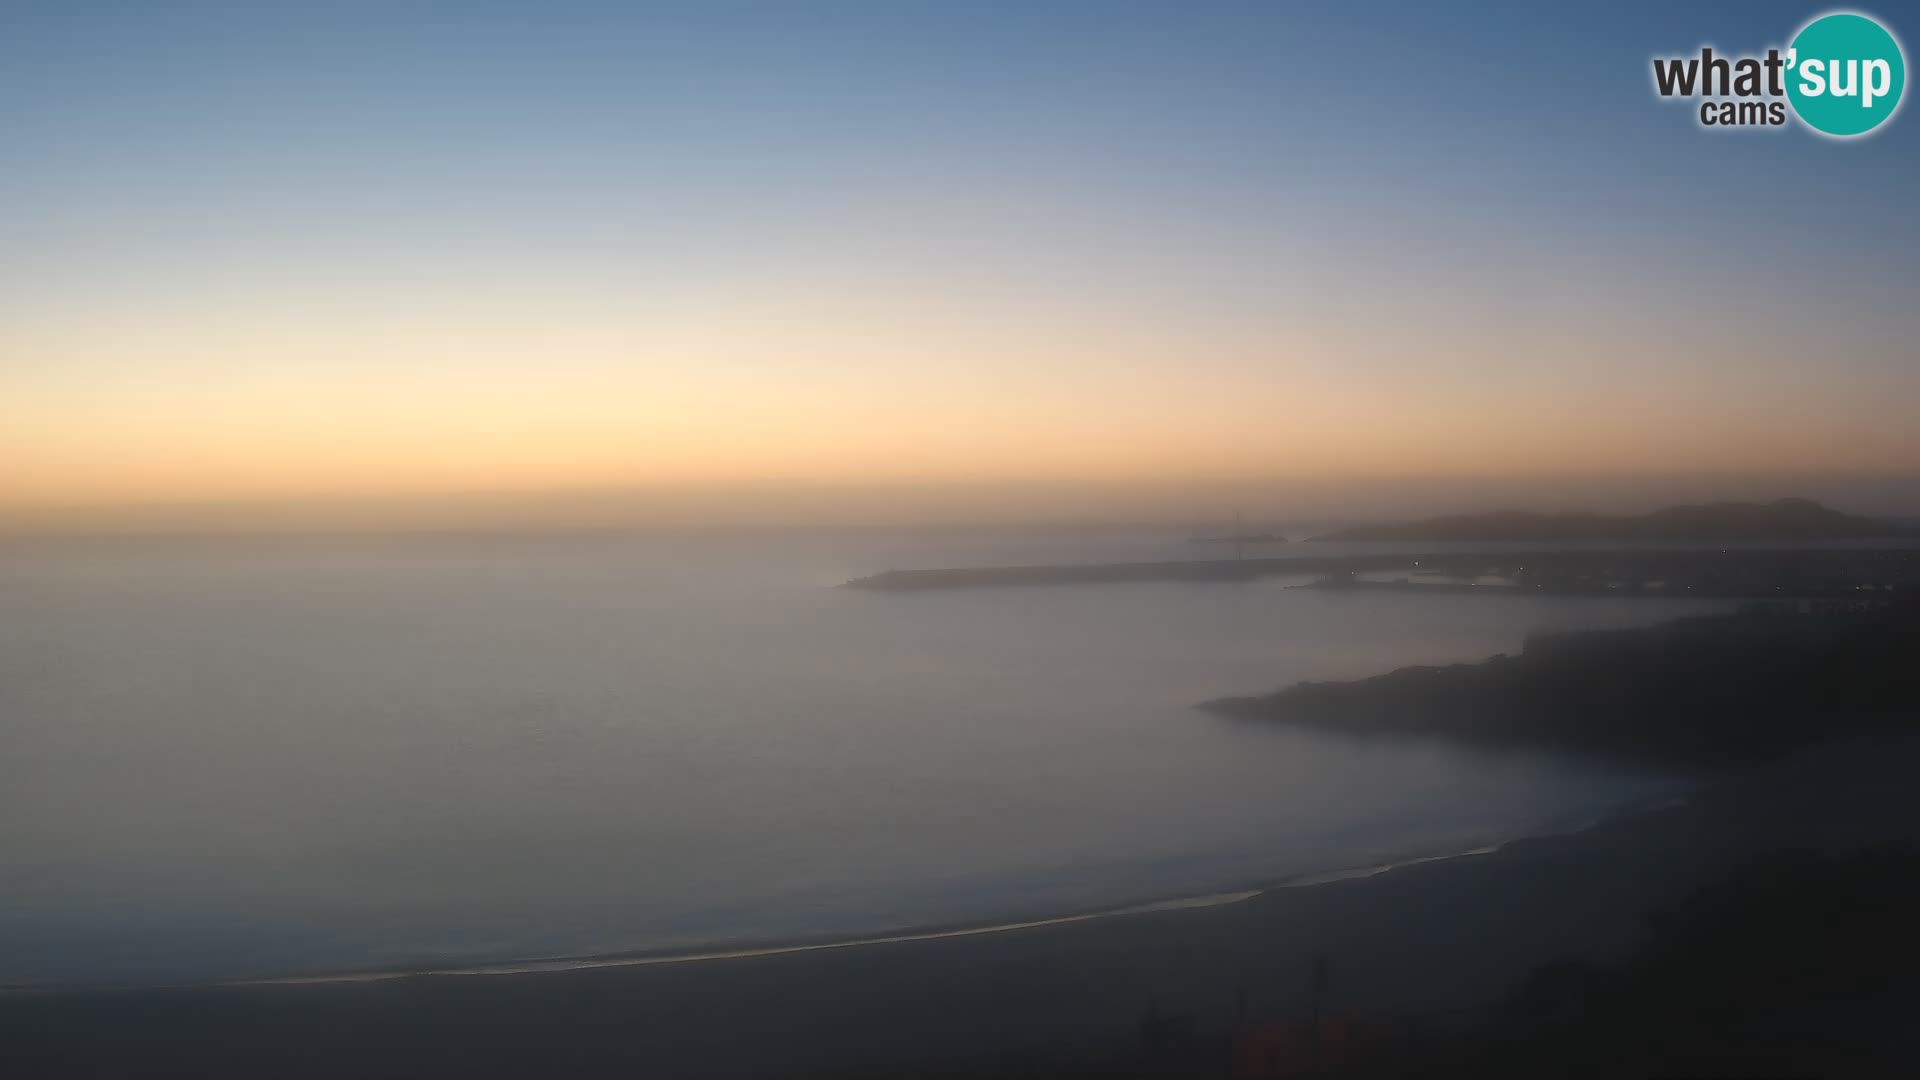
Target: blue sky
[1395, 194]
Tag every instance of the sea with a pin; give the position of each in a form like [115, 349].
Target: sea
[263, 757]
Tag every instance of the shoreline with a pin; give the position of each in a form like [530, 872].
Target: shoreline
[1779, 570]
[1435, 943]
[745, 950]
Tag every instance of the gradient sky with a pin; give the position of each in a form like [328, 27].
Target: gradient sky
[350, 251]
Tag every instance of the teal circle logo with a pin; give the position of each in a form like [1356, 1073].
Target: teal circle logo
[1845, 73]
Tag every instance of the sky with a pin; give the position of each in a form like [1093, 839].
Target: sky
[882, 260]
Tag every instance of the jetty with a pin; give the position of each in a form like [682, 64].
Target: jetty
[1754, 571]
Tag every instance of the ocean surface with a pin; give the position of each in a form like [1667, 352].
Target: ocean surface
[238, 758]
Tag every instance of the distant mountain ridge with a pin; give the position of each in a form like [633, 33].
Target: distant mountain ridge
[1782, 519]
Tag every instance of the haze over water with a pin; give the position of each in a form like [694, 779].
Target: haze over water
[359, 267]
[232, 757]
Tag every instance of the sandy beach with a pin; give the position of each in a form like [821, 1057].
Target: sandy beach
[1430, 944]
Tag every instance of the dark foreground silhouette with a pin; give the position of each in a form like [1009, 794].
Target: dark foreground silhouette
[1717, 687]
[1800, 963]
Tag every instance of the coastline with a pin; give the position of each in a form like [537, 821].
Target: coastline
[749, 949]
[1435, 943]
[1743, 569]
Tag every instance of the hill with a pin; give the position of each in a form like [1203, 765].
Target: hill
[1783, 519]
[1708, 687]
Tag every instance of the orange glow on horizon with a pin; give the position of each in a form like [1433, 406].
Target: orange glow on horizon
[265, 397]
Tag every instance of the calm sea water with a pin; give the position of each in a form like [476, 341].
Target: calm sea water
[227, 758]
